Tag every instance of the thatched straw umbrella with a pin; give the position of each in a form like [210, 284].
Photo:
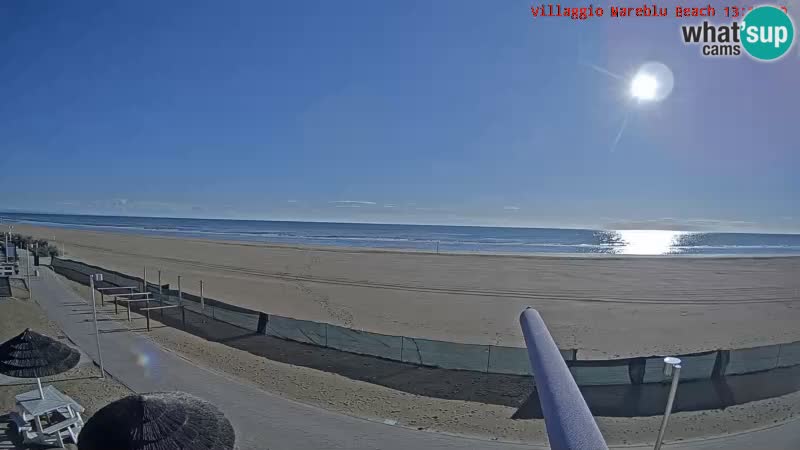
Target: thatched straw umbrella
[31, 355]
[158, 421]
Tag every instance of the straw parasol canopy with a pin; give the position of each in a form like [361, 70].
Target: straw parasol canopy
[158, 421]
[31, 355]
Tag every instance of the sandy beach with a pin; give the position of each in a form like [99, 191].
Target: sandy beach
[602, 306]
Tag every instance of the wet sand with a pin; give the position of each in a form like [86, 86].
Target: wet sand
[605, 307]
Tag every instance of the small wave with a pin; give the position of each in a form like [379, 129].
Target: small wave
[364, 239]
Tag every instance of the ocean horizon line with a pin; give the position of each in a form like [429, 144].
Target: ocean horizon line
[616, 227]
[438, 238]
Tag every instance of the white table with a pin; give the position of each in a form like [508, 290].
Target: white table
[32, 406]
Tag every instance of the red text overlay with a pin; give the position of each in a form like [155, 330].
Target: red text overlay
[591, 11]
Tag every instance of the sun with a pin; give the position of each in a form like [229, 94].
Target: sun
[644, 87]
[652, 83]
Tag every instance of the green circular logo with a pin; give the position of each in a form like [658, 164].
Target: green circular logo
[767, 33]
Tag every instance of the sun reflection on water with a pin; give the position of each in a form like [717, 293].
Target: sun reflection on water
[647, 242]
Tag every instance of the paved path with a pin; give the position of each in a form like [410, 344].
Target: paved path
[266, 421]
[5, 287]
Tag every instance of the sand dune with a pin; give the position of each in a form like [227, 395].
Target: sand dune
[603, 306]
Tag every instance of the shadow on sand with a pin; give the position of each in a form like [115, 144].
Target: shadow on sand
[498, 389]
[9, 438]
[650, 399]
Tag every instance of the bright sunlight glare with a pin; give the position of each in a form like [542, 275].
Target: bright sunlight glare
[648, 242]
[653, 82]
[644, 87]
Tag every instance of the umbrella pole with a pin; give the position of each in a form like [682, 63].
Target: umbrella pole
[41, 392]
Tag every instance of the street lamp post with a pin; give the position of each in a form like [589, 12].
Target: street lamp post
[7, 236]
[672, 366]
[28, 270]
[92, 279]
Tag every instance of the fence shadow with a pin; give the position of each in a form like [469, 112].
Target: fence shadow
[698, 395]
[630, 400]
[498, 389]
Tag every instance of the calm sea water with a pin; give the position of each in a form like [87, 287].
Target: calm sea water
[431, 237]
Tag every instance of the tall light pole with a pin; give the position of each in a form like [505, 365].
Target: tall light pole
[8, 235]
[672, 366]
[28, 267]
[92, 279]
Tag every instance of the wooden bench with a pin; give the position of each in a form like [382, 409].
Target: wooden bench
[128, 298]
[61, 426]
[162, 308]
[103, 290]
[20, 423]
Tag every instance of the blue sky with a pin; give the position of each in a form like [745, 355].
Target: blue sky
[414, 112]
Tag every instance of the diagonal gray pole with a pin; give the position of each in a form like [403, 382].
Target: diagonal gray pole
[569, 423]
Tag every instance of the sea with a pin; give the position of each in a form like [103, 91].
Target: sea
[433, 238]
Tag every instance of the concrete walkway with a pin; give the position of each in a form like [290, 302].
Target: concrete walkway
[266, 421]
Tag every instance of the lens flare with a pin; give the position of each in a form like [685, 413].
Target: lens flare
[146, 361]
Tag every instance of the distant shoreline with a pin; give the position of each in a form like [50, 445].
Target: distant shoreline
[345, 249]
[513, 227]
[454, 240]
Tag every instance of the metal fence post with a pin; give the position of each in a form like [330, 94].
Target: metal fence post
[160, 293]
[202, 300]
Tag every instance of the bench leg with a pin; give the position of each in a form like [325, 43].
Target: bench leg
[39, 434]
